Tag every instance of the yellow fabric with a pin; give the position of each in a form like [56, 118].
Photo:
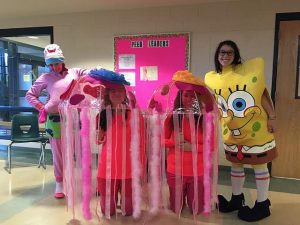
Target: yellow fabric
[238, 91]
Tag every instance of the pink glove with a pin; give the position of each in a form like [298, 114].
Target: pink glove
[42, 115]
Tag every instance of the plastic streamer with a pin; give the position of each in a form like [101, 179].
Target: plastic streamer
[154, 163]
[108, 162]
[195, 161]
[67, 143]
[86, 163]
[178, 164]
[135, 163]
[124, 156]
[208, 159]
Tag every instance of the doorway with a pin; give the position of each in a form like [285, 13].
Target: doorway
[286, 93]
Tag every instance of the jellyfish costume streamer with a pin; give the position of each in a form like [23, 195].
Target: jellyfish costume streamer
[104, 146]
[183, 151]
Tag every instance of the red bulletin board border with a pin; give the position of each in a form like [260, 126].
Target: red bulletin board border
[166, 52]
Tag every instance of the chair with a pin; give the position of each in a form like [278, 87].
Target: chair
[25, 128]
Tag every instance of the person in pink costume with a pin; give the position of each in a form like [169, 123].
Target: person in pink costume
[55, 83]
[119, 147]
[184, 101]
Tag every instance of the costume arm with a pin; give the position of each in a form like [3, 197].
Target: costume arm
[101, 128]
[267, 104]
[169, 138]
[32, 95]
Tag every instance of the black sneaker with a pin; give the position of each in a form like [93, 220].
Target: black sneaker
[236, 202]
[260, 211]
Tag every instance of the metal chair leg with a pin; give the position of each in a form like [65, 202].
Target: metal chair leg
[42, 156]
[44, 163]
[8, 163]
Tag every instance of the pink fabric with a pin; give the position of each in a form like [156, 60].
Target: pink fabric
[187, 157]
[57, 158]
[116, 187]
[55, 84]
[86, 159]
[188, 192]
[211, 167]
[42, 115]
[116, 164]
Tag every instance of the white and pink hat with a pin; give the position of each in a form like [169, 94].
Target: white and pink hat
[53, 54]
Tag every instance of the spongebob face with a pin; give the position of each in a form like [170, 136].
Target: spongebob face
[239, 112]
[238, 92]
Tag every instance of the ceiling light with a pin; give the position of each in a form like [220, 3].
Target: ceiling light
[33, 37]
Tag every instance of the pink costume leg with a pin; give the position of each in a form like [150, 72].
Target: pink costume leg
[171, 179]
[57, 158]
[113, 197]
[128, 197]
[190, 194]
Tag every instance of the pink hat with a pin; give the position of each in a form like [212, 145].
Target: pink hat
[53, 54]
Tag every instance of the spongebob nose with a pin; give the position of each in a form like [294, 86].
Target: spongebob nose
[230, 114]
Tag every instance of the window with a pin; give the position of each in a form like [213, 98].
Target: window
[21, 62]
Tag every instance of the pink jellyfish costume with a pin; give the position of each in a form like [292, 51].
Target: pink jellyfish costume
[192, 173]
[117, 159]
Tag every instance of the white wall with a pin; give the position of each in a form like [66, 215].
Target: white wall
[87, 38]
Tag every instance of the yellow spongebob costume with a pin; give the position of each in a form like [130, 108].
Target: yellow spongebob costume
[238, 91]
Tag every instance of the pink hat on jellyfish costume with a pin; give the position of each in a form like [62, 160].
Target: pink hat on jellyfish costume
[162, 102]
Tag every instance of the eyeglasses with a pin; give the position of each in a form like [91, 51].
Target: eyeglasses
[223, 53]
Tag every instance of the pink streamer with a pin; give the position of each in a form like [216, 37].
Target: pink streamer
[86, 163]
[67, 141]
[178, 163]
[194, 143]
[207, 154]
[135, 163]
[154, 163]
[108, 161]
[124, 144]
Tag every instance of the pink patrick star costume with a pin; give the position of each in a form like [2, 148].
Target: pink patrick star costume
[55, 83]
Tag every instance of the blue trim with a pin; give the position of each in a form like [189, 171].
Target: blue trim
[54, 60]
[110, 76]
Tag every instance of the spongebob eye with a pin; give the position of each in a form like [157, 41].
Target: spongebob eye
[239, 101]
[222, 104]
[239, 104]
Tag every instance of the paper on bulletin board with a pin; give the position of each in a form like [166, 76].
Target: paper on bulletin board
[148, 73]
[126, 61]
[130, 77]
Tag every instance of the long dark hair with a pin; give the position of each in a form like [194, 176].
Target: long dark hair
[237, 57]
[103, 120]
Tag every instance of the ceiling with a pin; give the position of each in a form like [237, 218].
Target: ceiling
[29, 8]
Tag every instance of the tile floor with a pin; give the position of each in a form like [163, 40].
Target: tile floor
[26, 197]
